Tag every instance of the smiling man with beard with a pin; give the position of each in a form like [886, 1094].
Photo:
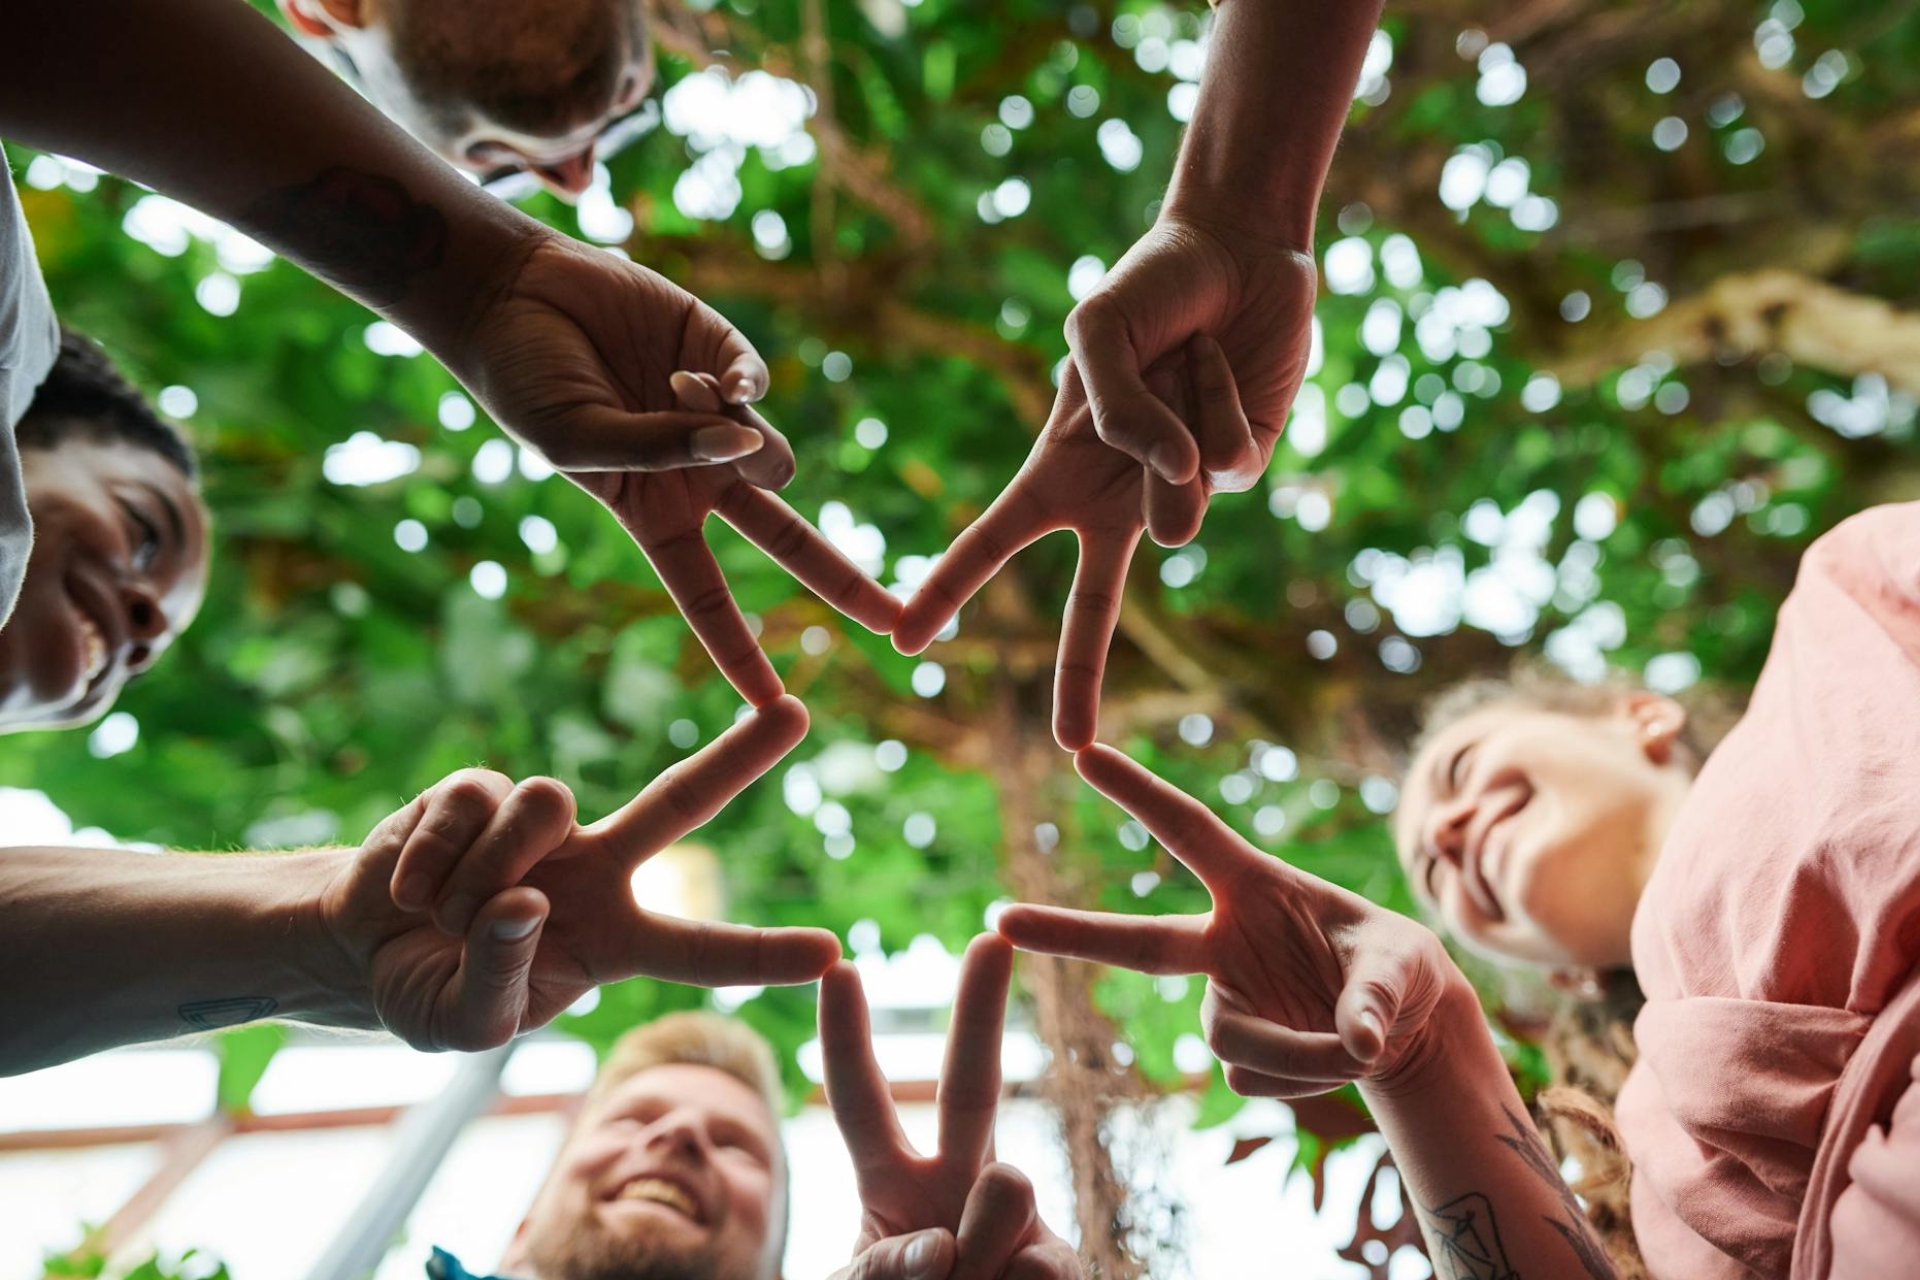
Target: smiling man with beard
[674, 1169]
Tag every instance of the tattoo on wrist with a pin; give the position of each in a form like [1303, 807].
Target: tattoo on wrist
[1467, 1237]
[360, 231]
[212, 1015]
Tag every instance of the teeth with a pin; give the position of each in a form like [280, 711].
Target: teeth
[96, 647]
[660, 1192]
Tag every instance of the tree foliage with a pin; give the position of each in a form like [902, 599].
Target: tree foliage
[1658, 335]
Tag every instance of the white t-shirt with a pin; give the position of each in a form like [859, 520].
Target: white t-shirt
[29, 341]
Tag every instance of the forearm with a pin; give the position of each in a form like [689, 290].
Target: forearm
[1483, 1182]
[206, 101]
[102, 947]
[1278, 85]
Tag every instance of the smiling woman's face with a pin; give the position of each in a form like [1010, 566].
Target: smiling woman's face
[1532, 832]
[118, 569]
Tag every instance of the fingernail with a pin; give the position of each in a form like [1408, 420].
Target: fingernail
[923, 1255]
[514, 930]
[415, 889]
[1371, 1021]
[1165, 459]
[456, 911]
[740, 389]
[724, 444]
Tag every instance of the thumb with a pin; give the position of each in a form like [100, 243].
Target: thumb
[925, 1255]
[1378, 982]
[489, 991]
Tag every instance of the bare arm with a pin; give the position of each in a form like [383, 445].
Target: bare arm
[1310, 987]
[1278, 86]
[478, 911]
[1490, 1197]
[207, 101]
[569, 348]
[103, 947]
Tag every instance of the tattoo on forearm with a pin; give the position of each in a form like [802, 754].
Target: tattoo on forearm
[362, 232]
[212, 1015]
[1469, 1241]
[1466, 1236]
[1524, 1141]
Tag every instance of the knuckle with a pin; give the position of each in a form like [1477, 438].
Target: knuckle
[1094, 600]
[1007, 1183]
[547, 799]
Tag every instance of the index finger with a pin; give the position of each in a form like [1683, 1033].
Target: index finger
[804, 552]
[689, 793]
[969, 1092]
[1146, 944]
[692, 577]
[857, 1091]
[1185, 828]
[1003, 529]
[707, 953]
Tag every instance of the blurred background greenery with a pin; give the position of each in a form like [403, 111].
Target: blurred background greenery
[1618, 313]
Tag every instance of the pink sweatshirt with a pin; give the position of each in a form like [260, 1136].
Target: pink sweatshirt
[1779, 946]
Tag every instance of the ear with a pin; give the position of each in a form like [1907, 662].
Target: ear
[1580, 983]
[1657, 720]
[325, 19]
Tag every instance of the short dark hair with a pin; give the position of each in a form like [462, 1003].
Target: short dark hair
[86, 396]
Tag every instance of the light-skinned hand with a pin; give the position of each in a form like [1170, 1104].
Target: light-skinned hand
[666, 512]
[981, 1214]
[1309, 987]
[514, 911]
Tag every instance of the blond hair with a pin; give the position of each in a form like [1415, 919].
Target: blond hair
[697, 1039]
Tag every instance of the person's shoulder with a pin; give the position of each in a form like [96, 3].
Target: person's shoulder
[1894, 526]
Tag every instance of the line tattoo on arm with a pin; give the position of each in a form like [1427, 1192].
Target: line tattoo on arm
[212, 1015]
[1466, 1235]
[362, 232]
[1525, 1142]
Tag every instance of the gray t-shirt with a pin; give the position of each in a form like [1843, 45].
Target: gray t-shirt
[29, 341]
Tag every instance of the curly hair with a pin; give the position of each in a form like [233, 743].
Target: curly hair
[87, 397]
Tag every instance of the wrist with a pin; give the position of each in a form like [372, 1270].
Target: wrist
[323, 967]
[1453, 1047]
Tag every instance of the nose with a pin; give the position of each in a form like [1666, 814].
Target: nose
[1447, 835]
[147, 627]
[680, 1131]
[568, 178]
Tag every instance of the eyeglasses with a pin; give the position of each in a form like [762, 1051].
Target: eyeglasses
[516, 181]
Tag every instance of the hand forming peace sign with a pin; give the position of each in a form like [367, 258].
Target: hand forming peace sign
[666, 512]
[1309, 986]
[977, 1217]
[534, 910]
[1073, 480]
